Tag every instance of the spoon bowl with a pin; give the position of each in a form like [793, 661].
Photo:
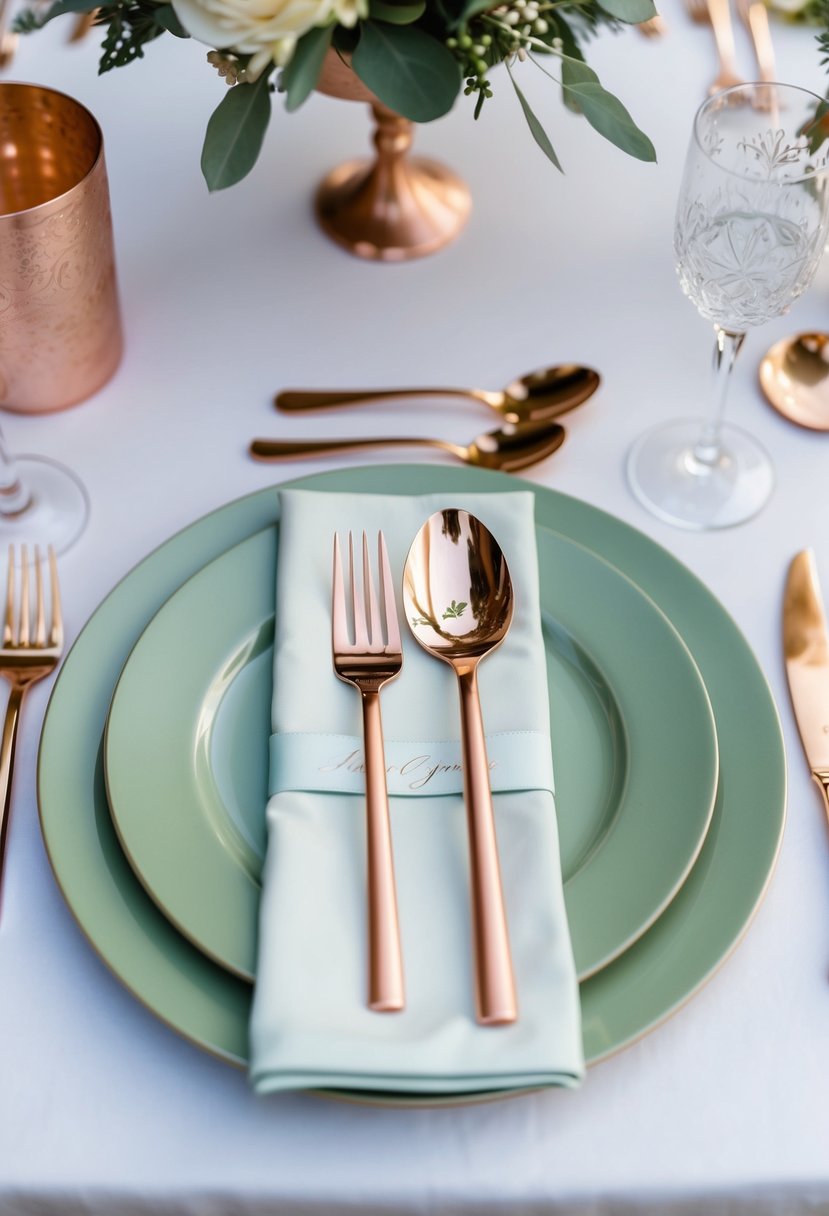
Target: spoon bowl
[507, 449]
[537, 396]
[458, 599]
[794, 375]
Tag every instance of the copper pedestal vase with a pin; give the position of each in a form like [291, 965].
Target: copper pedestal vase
[395, 207]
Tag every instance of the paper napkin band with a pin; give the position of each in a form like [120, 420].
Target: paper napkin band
[330, 763]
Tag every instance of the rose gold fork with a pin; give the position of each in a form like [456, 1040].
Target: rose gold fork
[717, 14]
[368, 663]
[25, 658]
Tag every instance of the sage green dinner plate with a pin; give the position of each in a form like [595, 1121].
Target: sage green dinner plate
[634, 746]
[207, 1004]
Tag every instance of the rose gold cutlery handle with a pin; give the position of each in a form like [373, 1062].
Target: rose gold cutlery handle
[7, 750]
[821, 779]
[494, 980]
[295, 399]
[720, 12]
[385, 991]
[756, 18]
[277, 449]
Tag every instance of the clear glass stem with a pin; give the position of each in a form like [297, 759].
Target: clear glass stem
[707, 449]
[14, 497]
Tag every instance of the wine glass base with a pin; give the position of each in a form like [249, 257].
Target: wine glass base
[673, 483]
[56, 511]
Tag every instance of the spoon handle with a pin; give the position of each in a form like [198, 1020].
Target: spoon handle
[496, 1003]
[279, 449]
[292, 400]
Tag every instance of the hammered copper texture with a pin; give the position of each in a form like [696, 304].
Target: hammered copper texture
[60, 329]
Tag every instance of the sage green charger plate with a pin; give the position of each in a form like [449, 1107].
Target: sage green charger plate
[186, 753]
[209, 1006]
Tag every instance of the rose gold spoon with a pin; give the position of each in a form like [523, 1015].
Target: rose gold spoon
[794, 375]
[457, 594]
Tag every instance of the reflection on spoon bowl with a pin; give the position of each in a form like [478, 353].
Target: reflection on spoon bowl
[794, 375]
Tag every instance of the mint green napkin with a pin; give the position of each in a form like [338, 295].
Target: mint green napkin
[310, 1027]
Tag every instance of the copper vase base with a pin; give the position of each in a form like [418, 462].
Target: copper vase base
[392, 213]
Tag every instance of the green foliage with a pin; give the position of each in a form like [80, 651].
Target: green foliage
[235, 133]
[629, 11]
[130, 27]
[536, 130]
[455, 609]
[397, 14]
[302, 73]
[416, 56]
[410, 71]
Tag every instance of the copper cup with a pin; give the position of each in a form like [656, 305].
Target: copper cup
[60, 324]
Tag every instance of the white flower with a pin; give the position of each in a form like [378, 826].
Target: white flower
[267, 30]
[790, 7]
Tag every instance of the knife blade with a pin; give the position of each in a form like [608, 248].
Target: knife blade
[806, 652]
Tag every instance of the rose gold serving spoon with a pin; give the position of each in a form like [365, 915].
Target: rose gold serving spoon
[538, 395]
[508, 449]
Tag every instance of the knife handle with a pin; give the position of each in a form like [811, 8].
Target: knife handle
[821, 778]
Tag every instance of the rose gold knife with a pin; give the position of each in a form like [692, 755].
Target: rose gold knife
[806, 650]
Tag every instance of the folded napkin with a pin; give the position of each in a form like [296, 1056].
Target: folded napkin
[310, 1027]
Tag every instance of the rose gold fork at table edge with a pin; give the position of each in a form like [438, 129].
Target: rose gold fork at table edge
[28, 654]
[368, 662]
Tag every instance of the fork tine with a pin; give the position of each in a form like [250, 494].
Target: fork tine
[339, 627]
[8, 624]
[56, 632]
[360, 633]
[40, 613]
[375, 626]
[387, 592]
[24, 596]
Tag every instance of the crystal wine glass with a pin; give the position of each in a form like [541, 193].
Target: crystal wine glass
[751, 226]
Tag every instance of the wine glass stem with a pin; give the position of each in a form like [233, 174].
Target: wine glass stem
[14, 497]
[707, 450]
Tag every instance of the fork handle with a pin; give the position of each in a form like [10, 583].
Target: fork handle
[7, 750]
[496, 1002]
[386, 992]
[720, 12]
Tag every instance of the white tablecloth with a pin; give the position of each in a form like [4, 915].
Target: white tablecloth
[227, 298]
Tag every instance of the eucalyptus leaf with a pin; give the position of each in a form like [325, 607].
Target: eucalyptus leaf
[234, 134]
[471, 9]
[538, 133]
[609, 117]
[631, 11]
[34, 19]
[303, 71]
[397, 14]
[571, 50]
[165, 15]
[408, 70]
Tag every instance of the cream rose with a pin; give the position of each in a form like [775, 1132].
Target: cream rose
[267, 30]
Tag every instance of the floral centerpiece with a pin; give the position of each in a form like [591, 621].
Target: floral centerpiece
[413, 56]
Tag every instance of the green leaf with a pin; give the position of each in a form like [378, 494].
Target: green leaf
[31, 19]
[234, 134]
[397, 14]
[537, 131]
[302, 73]
[471, 9]
[129, 27]
[411, 72]
[608, 116]
[165, 15]
[631, 11]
